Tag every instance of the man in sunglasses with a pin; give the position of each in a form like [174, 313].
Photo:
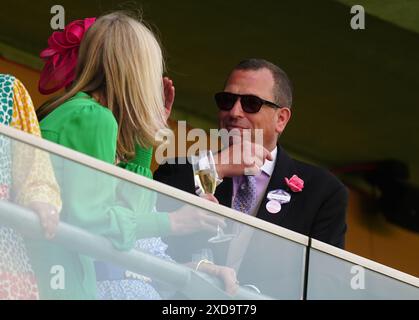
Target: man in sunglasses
[258, 95]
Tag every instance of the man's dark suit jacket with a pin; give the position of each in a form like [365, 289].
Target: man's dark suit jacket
[318, 211]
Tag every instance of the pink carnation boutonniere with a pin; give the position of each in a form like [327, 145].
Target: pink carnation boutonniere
[295, 183]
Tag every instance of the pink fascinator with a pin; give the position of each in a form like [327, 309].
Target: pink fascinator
[61, 56]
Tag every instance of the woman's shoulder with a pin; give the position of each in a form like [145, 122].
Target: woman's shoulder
[80, 108]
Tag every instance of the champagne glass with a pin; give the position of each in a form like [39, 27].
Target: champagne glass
[205, 174]
[205, 171]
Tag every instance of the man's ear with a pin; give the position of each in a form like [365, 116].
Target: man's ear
[283, 116]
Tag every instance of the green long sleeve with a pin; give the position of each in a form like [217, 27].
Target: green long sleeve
[88, 127]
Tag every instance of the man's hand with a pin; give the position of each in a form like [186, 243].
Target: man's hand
[169, 95]
[209, 197]
[49, 217]
[241, 158]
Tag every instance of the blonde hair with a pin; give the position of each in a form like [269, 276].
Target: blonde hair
[121, 58]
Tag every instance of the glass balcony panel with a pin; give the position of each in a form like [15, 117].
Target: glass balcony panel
[123, 236]
[331, 277]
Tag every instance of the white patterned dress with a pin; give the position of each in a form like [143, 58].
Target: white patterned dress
[130, 288]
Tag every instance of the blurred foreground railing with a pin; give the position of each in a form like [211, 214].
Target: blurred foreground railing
[298, 267]
[194, 285]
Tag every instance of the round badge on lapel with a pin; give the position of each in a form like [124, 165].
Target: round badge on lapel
[273, 206]
[279, 195]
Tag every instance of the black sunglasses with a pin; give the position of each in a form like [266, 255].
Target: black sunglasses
[250, 103]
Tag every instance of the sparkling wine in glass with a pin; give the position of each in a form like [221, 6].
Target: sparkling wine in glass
[206, 173]
[207, 180]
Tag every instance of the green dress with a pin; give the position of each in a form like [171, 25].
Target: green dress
[94, 201]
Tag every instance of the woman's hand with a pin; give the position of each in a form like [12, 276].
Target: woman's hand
[169, 95]
[226, 274]
[189, 219]
[49, 217]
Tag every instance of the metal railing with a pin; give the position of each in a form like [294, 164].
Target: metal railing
[185, 279]
[194, 285]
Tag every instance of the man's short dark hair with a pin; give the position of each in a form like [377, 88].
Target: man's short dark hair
[282, 84]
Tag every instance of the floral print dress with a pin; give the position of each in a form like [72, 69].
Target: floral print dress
[34, 182]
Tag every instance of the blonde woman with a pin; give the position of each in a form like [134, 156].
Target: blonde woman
[115, 102]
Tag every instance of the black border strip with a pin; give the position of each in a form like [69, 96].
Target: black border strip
[306, 269]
